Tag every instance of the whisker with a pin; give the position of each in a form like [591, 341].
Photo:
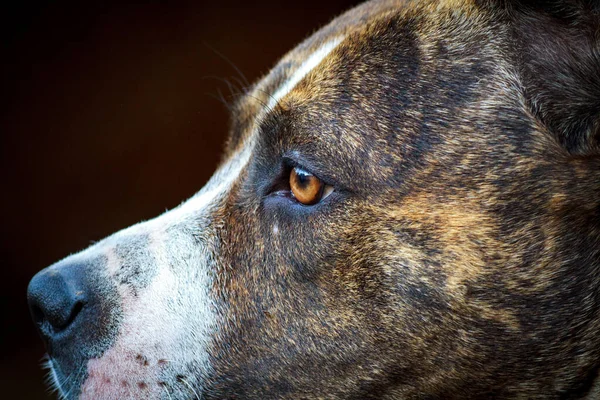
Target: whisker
[220, 100]
[261, 101]
[243, 88]
[191, 388]
[76, 377]
[61, 386]
[168, 393]
[245, 80]
[223, 99]
[51, 378]
[272, 98]
[234, 91]
[57, 386]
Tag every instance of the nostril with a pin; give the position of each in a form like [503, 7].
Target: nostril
[38, 315]
[54, 321]
[74, 313]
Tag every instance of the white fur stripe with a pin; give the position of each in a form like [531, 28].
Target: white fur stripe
[304, 69]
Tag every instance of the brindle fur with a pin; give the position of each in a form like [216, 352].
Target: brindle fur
[459, 256]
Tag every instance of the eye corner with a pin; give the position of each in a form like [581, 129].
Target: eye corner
[327, 191]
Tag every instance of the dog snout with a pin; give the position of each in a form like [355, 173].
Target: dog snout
[68, 304]
[57, 298]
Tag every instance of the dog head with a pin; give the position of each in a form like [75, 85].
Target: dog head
[409, 207]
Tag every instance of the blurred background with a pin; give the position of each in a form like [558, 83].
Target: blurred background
[109, 117]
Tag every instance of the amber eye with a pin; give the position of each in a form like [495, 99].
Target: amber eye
[306, 188]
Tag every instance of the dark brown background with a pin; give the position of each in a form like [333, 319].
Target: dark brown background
[107, 119]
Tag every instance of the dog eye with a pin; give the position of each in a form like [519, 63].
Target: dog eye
[307, 188]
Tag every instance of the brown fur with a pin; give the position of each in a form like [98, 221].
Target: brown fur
[459, 256]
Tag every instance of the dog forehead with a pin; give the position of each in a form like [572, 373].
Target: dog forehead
[313, 69]
[309, 56]
[306, 58]
[366, 20]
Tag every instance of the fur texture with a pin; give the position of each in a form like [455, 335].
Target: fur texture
[458, 256]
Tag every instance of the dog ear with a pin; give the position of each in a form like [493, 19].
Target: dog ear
[557, 50]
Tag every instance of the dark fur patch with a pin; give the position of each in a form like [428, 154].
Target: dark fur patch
[458, 255]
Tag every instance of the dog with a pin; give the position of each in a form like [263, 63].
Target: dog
[408, 208]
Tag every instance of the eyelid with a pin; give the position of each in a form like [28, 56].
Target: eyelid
[294, 160]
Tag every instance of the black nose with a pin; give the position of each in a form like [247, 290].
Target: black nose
[76, 309]
[56, 298]
[74, 306]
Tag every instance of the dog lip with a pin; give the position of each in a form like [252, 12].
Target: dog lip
[139, 376]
